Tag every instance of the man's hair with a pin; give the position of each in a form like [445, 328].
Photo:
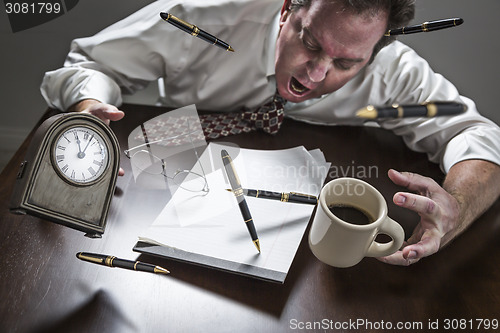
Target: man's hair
[401, 12]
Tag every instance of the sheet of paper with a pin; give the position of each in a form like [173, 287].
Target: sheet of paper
[212, 224]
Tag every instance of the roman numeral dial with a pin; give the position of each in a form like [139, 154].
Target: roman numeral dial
[80, 154]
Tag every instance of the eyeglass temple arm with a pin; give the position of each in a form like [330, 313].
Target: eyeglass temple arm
[127, 151]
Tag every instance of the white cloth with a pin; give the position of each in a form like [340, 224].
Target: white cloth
[142, 48]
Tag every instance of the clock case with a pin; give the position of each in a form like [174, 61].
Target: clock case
[41, 191]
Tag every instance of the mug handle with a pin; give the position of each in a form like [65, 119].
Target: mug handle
[395, 231]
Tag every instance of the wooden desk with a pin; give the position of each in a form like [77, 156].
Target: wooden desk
[44, 288]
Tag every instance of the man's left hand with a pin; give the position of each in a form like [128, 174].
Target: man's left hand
[439, 217]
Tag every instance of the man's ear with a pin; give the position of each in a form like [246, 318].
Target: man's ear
[285, 12]
[286, 6]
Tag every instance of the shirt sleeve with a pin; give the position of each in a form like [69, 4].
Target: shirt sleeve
[122, 58]
[408, 79]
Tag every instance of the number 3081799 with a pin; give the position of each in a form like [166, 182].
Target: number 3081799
[33, 8]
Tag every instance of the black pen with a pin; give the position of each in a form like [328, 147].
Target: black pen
[426, 27]
[429, 109]
[281, 196]
[238, 193]
[112, 261]
[195, 31]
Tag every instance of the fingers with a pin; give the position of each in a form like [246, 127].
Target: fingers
[438, 211]
[399, 259]
[413, 182]
[113, 115]
[424, 206]
[421, 203]
[410, 254]
[105, 112]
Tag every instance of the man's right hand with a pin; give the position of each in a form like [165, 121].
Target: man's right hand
[105, 112]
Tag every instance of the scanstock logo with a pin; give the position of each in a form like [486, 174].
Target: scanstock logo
[25, 14]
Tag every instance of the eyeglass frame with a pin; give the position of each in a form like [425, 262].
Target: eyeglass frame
[205, 189]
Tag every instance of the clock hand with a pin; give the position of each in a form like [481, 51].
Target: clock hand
[83, 152]
[80, 155]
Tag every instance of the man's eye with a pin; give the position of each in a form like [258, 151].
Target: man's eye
[342, 65]
[310, 46]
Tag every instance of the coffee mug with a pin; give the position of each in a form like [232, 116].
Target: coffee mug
[344, 239]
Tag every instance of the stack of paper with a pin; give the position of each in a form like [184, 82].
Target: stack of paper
[208, 229]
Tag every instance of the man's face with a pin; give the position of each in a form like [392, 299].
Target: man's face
[321, 47]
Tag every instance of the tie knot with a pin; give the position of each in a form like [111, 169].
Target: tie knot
[267, 117]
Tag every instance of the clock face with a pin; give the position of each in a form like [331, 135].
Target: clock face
[80, 155]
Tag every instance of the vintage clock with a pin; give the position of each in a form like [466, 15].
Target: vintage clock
[69, 173]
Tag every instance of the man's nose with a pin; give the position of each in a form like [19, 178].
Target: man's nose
[318, 68]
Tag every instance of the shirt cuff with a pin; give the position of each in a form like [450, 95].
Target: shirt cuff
[62, 90]
[479, 142]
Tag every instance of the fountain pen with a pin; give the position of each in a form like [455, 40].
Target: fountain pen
[238, 193]
[426, 27]
[112, 261]
[281, 196]
[429, 109]
[195, 31]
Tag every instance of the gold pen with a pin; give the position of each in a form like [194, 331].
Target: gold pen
[195, 31]
[112, 261]
[281, 196]
[238, 193]
[426, 27]
[429, 109]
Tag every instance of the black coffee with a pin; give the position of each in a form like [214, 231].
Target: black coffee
[351, 214]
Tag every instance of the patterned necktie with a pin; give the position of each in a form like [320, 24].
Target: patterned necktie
[267, 117]
[170, 130]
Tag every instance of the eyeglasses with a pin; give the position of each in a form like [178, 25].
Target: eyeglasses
[145, 158]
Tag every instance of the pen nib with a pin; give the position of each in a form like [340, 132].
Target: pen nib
[161, 270]
[368, 112]
[230, 49]
[257, 244]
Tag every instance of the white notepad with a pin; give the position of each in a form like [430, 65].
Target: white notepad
[209, 229]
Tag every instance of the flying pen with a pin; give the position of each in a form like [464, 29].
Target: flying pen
[428, 109]
[238, 193]
[195, 31]
[426, 27]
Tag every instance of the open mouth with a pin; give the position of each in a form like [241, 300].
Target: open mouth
[297, 87]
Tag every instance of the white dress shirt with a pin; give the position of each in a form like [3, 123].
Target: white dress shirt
[141, 48]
